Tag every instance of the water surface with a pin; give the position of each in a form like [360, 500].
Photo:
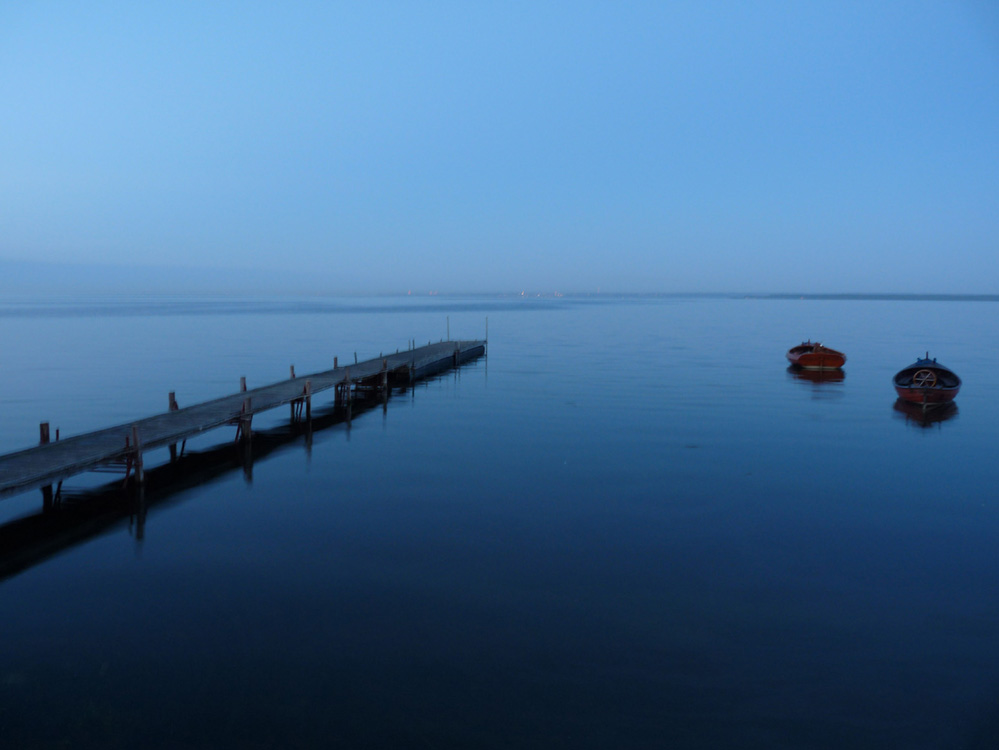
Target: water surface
[629, 526]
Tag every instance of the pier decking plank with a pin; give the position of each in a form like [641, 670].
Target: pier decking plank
[54, 461]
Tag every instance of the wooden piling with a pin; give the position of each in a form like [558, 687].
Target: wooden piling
[140, 474]
[172, 401]
[245, 429]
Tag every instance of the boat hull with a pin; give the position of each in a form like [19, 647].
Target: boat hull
[926, 382]
[821, 361]
[814, 356]
[926, 395]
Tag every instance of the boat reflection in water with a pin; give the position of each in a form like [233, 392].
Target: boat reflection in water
[920, 416]
[824, 385]
[816, 376]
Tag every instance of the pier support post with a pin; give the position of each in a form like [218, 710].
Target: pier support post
[246, 457]
[140, 514]
[244, 427]
[47, 502]
[43, 439]
[173, 407]
[140, 474]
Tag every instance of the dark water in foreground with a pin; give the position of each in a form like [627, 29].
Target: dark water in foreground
[630, 526]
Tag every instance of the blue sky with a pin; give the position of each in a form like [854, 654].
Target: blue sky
[500, 146]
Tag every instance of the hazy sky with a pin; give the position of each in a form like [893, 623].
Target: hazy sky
[631, 146]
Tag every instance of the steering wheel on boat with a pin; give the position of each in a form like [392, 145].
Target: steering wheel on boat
[924, 378]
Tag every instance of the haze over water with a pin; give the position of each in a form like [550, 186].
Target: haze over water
[628, 526]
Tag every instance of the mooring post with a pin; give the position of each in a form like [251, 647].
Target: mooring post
[335, 364]
[448, 327]
[355, 358]
[43, 433]
[308, 400]
[242, 384]
[293, 372]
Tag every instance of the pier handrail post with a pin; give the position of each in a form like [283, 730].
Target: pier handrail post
[242, 384]
[43, 433]
[293, 372]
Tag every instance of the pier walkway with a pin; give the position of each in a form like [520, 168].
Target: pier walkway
[123, 445]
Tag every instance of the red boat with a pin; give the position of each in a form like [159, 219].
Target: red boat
[927, 382]
[814, 356]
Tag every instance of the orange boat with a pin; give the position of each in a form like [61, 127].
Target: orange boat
[813, 356]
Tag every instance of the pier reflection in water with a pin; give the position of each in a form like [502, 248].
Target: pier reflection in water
[72, 517]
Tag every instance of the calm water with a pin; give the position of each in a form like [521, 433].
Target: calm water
[630, 526]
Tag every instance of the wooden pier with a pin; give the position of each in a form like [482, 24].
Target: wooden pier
[122, 447]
